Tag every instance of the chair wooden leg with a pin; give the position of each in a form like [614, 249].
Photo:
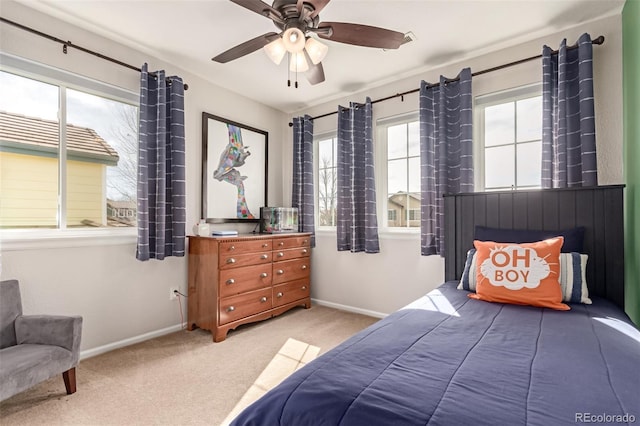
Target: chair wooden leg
[69, 378]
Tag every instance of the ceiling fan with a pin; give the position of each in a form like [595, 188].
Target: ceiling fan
[297, 20]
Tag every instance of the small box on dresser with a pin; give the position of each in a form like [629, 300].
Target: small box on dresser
[248, 278]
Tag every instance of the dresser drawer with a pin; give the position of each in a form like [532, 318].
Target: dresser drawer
[247, 246]
[290, 292]
[290, 270]
[289, 254]
[291, 242]
[238, 260]
[238, 280]
[244, 305]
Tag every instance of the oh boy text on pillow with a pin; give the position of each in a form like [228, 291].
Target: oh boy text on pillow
[514, 267]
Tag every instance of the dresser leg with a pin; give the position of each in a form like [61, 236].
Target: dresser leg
[219, 335]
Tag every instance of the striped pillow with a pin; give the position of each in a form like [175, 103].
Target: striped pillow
[572, 276]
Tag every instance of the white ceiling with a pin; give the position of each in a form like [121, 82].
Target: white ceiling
[189, 33]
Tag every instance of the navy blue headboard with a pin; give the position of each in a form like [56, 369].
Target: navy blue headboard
[598, 209]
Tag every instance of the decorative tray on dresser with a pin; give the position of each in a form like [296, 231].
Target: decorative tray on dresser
[246, 278]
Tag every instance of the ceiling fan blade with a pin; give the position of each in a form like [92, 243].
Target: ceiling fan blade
[315, 74]
[245, 48]
[318, 5]
[257, 6]
[361, 35]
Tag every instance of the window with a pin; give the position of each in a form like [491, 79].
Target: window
[509, 138]
[400, 138]
[68, 151]
[327, 180]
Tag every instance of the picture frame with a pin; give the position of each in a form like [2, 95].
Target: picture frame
[234, 170]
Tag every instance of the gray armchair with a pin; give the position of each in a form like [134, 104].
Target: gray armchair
[34, 348]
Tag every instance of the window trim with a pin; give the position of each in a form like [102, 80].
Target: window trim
[479, 104]
[35, 238]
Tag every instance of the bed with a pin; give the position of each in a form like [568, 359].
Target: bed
[447, 359]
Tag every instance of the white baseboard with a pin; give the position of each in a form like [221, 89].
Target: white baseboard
[152, 334]
[130, 341]
[349, 308]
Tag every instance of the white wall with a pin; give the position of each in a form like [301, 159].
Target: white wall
[119, 297]
[387, 281]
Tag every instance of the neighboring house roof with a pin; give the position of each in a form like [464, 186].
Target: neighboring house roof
[400, 199]
[36, 136]
[122, 204]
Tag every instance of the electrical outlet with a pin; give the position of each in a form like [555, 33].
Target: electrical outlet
[172, 293]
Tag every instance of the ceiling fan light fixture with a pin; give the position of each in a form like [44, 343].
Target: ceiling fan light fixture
[298, 63]
[275, 50]
[293, 40]
[316, 50]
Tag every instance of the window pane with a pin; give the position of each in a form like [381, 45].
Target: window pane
[327, 193]
[397, 141]
[102, 146]
[499, 124]
[529, 163]
[529, 119]
[29, 137]
[397, 176]
[414, 138]
[414, 175]
[397, 210]
[325, 153]
[499, 167]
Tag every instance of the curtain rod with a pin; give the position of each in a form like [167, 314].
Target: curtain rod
[67, 44]
[598, 40]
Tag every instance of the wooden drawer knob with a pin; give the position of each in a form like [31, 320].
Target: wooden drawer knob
[231, 281]
[304, 287]
[281, 243]
[265, 245]
[304, 251]
[279, 295]
[305, 242]
[264, 256]
[231, 260]
[304, 266]
[264, 275]
[280, 254]
[231, 308]
[279, 272]
[231, 248]
[264, 299]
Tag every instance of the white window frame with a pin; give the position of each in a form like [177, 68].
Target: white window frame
[381, 172]
[479, 104]
[22, 239]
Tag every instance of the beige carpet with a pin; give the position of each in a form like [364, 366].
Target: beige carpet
[179, 379]
[292, 356]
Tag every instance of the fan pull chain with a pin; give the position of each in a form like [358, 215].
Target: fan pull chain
[288, 69]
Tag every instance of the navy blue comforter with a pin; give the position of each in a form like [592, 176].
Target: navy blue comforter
[450, 360]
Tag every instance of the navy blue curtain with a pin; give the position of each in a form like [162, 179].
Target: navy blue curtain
[303, 190]
[446, 152]
[357, 222]
[568, 116]
[161, 167]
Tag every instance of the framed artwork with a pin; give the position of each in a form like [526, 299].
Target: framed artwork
[234, 170]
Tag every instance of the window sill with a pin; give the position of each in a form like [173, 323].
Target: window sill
[34, 239]
[386, 234]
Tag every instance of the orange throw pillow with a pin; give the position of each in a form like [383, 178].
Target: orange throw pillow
[522, 274]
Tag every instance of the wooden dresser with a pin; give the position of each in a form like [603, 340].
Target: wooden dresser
[238, 280]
